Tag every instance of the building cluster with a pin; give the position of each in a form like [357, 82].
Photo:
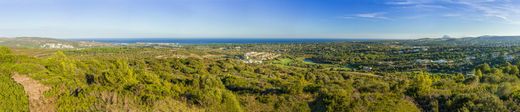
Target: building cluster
[56, 46]
[424, 61]
[414, 49]
[258, 57]
[158, 45]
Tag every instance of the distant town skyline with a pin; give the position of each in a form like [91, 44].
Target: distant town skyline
[371, 19]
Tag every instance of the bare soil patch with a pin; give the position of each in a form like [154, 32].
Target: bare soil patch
[35, 90]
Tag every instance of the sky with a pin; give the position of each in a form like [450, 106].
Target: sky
[379, 19]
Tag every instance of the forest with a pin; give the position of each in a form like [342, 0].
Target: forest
[315, 77]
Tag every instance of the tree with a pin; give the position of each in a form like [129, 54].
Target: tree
[514, 70]
[497, 72]
[478, 73]
[485, 68]
[4, 50]
[508, 67]
[424, 83]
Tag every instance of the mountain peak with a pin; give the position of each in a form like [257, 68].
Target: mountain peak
[446, 37]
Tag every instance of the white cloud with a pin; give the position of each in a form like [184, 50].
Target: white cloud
[374, 15]
[452, 15]
[500, 9]
[503, 10]
[377, 15]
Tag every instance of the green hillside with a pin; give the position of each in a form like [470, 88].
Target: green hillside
[39, 42]
[344, 76]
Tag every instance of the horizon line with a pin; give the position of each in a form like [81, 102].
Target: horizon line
[245, 37]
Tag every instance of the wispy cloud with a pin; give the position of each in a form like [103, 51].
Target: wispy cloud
[452, 15]
[503, 10]
[373, 15]
[376, 15]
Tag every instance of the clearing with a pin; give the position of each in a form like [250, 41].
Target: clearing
[35, 90]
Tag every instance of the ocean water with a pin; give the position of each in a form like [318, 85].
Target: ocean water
[217, 40]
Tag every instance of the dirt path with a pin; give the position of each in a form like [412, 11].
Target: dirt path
[35, 90]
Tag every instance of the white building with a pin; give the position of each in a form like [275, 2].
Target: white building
[56, 46]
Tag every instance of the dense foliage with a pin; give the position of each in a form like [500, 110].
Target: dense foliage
[213, 78]
[12, 97]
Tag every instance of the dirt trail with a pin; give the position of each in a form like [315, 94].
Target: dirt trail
[35, 90]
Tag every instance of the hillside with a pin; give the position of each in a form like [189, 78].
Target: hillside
[341, 77]
[468, 41]
[39, 42]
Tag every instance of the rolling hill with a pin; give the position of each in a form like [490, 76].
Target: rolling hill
[39, 42]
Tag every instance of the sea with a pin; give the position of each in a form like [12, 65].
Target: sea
[217, 40]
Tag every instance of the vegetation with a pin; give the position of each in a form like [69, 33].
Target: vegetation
[214, 78]
[12, 97]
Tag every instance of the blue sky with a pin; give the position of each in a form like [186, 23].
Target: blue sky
[258, 18]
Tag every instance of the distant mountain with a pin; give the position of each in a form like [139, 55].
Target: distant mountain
[39, 42]
[481, 41]
[446, 37]
[515, 38]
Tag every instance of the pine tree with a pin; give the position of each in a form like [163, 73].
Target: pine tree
[514, 70]
[423, 83]
[485, 68]
[478, 73]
